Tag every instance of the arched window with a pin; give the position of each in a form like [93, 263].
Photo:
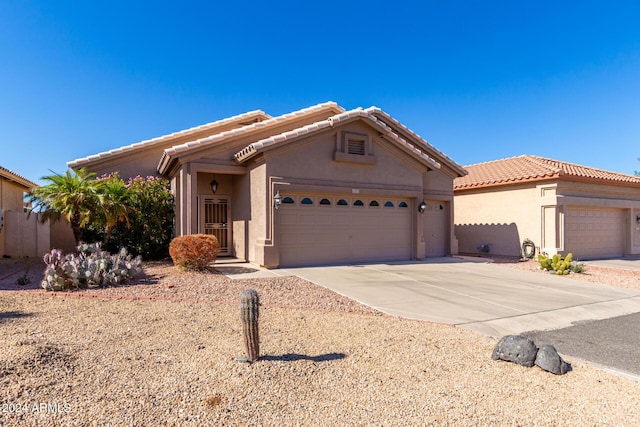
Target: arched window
[358, 203]
[306, 201]
[342, 202]
[288, 200]
[388, 204]
[403, 205]
[374, 203]
[325, 202]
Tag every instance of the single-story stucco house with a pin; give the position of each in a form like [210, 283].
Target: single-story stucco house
[562, 207]
[315, 186]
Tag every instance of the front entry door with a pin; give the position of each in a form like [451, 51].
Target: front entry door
[215, 215]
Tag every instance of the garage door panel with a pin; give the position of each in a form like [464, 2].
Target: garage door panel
[322, 234]
[287, 218]
[594, 232]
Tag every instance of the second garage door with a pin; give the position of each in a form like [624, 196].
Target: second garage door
[594, 233]
[319, 229]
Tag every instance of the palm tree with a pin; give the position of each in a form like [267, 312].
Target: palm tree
[73, 196]
[115, 203]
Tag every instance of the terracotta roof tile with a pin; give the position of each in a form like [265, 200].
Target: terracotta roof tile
[535, 168]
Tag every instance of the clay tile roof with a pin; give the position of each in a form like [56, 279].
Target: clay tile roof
[175, 150]
[239, 120]
[12, 176]
[527, 168]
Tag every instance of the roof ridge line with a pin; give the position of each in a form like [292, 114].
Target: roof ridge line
[246, 128]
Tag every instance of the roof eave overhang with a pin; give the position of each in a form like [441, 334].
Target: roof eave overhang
[11, 176]
[505, 184]
[430, 150]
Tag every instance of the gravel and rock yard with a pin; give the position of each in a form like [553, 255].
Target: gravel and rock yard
[163, 352]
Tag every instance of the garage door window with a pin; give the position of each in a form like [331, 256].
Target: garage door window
[358, 203]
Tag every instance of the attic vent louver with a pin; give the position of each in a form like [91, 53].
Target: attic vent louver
[356, 147]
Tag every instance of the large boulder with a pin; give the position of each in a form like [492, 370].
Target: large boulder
[549, 360]
[517, 349]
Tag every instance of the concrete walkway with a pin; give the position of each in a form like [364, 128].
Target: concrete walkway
[485, 298]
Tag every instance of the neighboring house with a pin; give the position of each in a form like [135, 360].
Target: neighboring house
[22, 234]
[12, 208]
[562, 207]
[315, 186]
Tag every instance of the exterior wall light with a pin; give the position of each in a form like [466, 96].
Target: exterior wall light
[638, 219]
[214, 185]
[277, 200]
[422, 207]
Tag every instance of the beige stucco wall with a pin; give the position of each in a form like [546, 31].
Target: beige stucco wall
[25, 235]
[502, 219]
[11, 195]
[504, 216]
[259, 228]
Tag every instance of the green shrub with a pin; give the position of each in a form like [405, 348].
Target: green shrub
[148, 227]
[577, 268]
[194, 251]
[90, 267]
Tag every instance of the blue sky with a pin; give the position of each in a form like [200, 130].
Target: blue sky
[478, 80]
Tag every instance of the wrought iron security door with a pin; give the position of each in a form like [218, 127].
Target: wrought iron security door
[215, 216]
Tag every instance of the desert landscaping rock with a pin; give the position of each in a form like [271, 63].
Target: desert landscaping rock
[517, 349]
[549, 360]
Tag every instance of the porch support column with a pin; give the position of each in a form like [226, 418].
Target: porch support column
[185, 201]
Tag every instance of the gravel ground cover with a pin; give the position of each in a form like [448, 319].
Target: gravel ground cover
[162, 352]
[620, 278]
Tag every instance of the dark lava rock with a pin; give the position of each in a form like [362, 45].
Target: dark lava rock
[549, 360]
[517, 349]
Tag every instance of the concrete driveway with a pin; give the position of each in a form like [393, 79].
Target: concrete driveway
[626, 263]
[482, 297]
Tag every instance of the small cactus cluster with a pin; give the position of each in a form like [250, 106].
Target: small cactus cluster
[556, 264]
[90, 267]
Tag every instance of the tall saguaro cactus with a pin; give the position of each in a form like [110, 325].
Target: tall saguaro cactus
[249, 302]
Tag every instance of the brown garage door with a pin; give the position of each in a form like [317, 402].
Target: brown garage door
[594, 233]
[324, 229]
